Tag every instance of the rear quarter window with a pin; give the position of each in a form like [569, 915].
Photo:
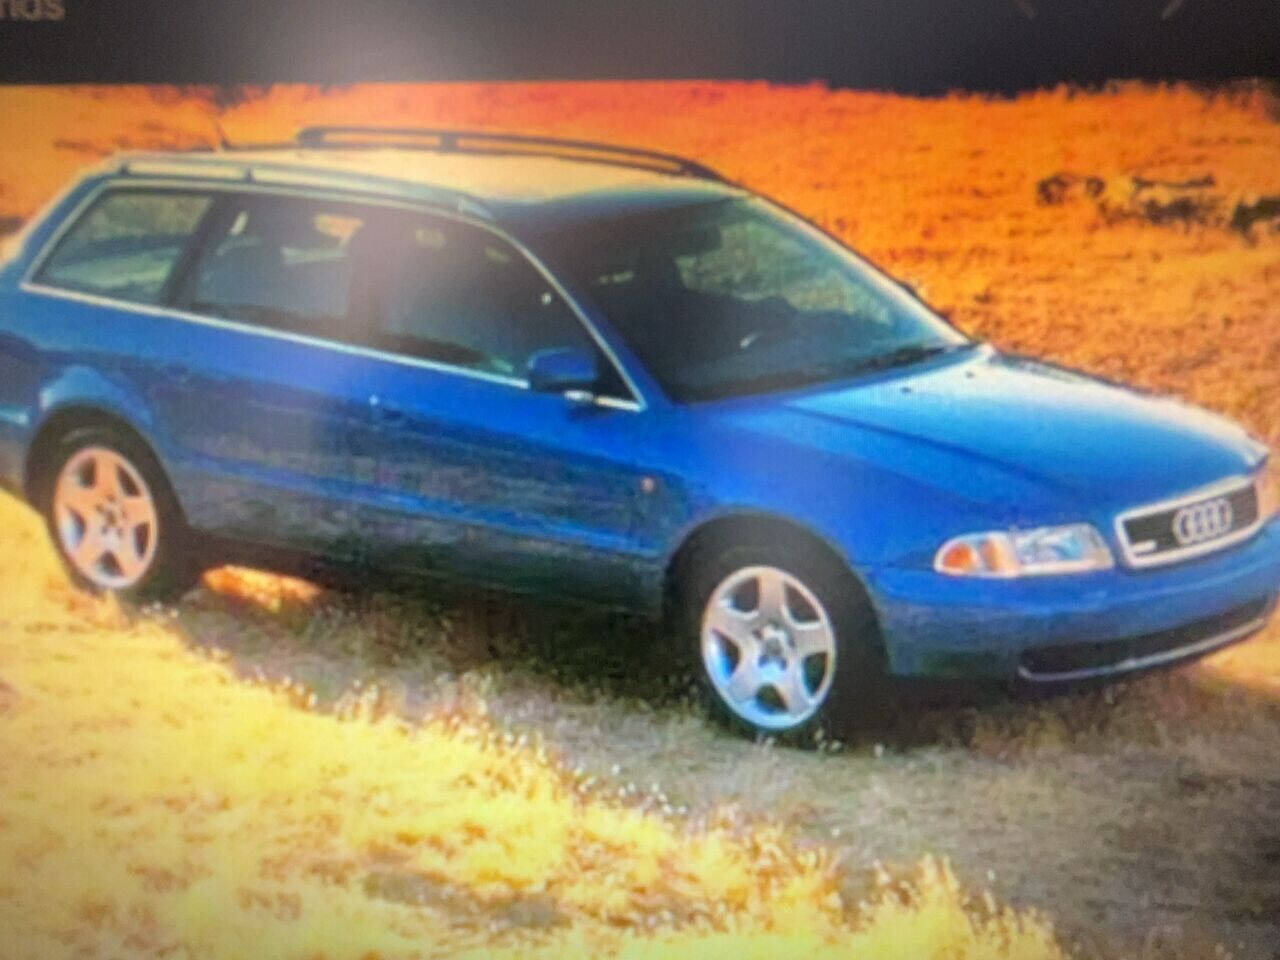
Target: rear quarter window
[126, 245]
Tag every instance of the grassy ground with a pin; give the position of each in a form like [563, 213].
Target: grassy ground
[1145, 818]
[1146, 811]
[150, 805]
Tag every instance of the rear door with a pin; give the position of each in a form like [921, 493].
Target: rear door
[269, 394]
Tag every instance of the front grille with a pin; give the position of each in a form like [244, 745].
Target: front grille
[1150, 649]
[1189, 526]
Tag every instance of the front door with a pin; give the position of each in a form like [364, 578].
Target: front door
[481, 474]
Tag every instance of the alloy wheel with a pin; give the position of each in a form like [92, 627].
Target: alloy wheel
[768, 647]
[105, 517]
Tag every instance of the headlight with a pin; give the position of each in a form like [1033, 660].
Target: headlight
[1075, 548]
[1268, 485]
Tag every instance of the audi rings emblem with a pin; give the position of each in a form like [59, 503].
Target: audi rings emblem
[1203, 521]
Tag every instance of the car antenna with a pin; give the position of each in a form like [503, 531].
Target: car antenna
[220, 140]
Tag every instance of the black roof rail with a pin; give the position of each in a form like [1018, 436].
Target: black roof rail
[481, 141]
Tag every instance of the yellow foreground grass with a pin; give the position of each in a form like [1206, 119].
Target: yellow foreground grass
[151, 804]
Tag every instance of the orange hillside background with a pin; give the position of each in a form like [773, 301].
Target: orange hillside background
[941, 192]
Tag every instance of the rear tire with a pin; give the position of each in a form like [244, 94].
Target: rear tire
[113, 517]
[785, 641]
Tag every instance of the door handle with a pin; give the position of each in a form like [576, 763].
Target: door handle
[383, 411]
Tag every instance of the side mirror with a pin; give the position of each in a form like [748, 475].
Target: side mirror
[567, 370]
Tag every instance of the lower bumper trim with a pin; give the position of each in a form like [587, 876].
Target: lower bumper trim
[1147, 661]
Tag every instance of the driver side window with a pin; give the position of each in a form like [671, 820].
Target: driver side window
[455, 294]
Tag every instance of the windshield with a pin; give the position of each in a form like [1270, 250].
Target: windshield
[737, 297]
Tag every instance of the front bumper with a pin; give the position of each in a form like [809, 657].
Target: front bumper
[1061, 628]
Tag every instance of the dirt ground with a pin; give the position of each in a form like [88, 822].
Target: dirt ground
[1143, 813]
[1145, 818]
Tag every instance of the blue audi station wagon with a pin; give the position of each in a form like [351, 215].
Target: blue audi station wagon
[611, 375]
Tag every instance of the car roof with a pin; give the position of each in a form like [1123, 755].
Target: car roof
[528, 192]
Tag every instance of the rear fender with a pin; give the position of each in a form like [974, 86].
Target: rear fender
[82, 391]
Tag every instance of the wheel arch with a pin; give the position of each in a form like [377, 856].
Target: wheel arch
[57, 425]
[746, 525]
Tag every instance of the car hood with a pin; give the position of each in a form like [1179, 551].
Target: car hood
[1072, 435]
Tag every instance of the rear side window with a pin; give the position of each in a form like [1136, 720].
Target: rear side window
[126, 245]
[281, 263]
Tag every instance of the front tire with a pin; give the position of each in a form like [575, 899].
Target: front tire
[113, 518]
[785, 640]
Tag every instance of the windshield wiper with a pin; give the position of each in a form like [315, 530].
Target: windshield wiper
[906, 355]
[898, 357]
